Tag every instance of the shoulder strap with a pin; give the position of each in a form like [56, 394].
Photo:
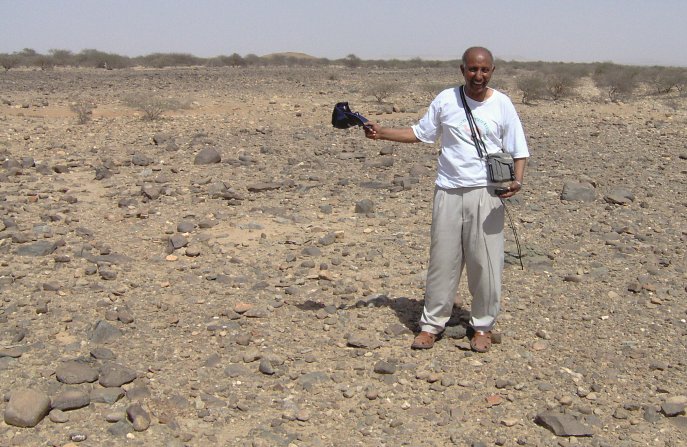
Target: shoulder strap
[474, 130]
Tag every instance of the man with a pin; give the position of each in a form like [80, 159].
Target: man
[467, 215]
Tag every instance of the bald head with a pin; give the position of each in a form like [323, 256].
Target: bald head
[475, 51]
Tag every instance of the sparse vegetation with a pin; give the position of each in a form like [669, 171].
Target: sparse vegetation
[537, 80]
[663, 79]
[618, 81]
[152, 107]
[533, 88]
[562, 79]
[83, 108]
[382, 90]
[8, 61]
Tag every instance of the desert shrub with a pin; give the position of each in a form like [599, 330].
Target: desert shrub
[562, 79]
[235, 60]
[152, 107]
[252, 59]
[663, 79]
[533, 87]
[83, 108]
[618, 81]
[352, 61]
[8, 61]
[162, 60]
[43, 62]
[381, 90]
[61, 58]
[99, 59]
[681, 84]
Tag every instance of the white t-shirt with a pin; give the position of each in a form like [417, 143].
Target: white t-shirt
[459, 164]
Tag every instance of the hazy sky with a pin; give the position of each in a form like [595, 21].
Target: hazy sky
[622, 31]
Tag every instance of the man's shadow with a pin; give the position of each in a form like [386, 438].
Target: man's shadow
[407, 310]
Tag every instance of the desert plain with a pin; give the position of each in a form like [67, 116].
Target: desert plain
[240, 273]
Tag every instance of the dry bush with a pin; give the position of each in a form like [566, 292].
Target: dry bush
[235, 60]
[351, 61]
[162, 60]
[83, 108]
[618, 81]
[152, 107]
[99, 59]
[664, 79]
[563, 79]
[61, 58]
[533, 87]
[8, 61]
[381, 90]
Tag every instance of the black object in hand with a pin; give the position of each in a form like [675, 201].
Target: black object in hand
[500, 190]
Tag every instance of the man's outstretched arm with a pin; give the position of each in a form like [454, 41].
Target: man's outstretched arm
[374, 131]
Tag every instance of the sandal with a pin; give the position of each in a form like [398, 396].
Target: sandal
[425, 340]
[481, 341]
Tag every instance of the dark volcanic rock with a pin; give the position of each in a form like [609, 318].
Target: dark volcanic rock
[40, 248]
[562, 424]
[115, 375]
[574, 191]
[104, 332]
[206, 156]
[75, 373]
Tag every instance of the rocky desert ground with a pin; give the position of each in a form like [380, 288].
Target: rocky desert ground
[239, 273]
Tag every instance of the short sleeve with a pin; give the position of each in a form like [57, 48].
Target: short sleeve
[513, 139]
[428, 128]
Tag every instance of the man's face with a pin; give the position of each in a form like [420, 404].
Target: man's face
[477, 72]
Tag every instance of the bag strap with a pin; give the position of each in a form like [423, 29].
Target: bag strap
[474, 130]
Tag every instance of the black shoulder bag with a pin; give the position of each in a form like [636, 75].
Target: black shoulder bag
[500, 164]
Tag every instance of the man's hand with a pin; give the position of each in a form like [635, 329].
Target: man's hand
[371, 130]
[513, 188]
[374, 131]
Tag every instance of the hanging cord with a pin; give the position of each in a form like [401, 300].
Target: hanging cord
[515, 233]
[480, 146]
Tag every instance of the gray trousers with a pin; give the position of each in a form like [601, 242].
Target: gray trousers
[467, 231]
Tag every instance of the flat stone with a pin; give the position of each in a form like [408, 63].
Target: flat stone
[58, 416]
[104, 332]
[106, 395]
[206, 156]
[71, 400]
[75, 373]
[116, 375]
[562, 424]
[574, 191]
[40, 248]
[363, 341]
[384, 367]
[672, 409]
[235, 370]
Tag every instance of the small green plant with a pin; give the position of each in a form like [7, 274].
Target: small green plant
[152, 107]
[83, 108]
